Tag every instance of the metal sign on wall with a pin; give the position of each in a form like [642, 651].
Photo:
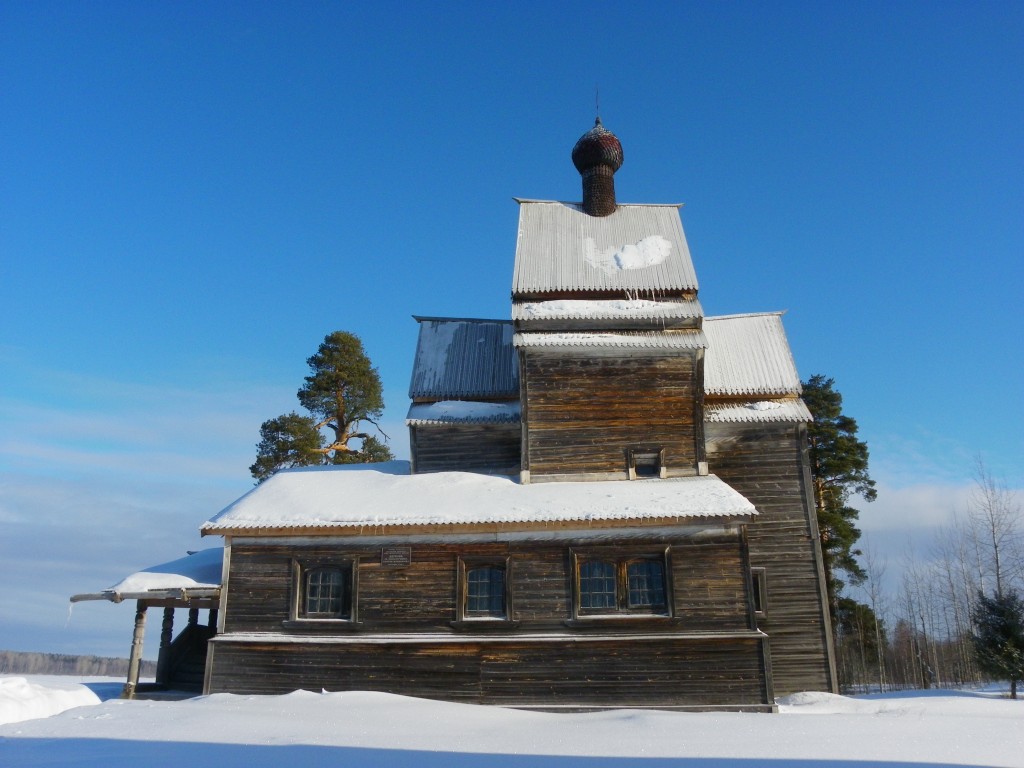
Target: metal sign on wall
[396, 557]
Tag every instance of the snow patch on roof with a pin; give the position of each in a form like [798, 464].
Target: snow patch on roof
[760, 411]
[462, 412]
[649, 252]
[684, 339]
[375, 495]
[606, 308]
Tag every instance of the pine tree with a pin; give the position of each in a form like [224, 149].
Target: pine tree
[839, 469]
[342, 391]
[999, 636]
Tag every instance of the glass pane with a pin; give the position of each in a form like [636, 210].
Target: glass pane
[326, 593]
[597, 584]
[646, 584]
[485, 591]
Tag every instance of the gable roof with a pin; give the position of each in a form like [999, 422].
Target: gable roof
[459, 358]
[749, 355]
[365, 499]
[638, 248]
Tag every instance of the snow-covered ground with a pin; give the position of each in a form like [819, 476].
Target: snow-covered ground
[935, 728]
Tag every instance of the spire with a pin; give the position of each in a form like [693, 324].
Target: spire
[597, 156]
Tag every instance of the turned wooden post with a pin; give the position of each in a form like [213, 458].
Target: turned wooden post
[163, 659]
[135, 659]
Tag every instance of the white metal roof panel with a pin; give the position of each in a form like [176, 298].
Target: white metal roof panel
[638, 248]
[749, 355]
[366, 497]
[761, 411]
[459, 358]
[688, 339]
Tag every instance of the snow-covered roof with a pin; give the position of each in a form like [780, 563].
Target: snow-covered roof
[692, 339]
[463, 412]
[749, 355]
[607, 309]
[636, 248]
[197, 574]
[366, 498]
[460, 358]
[789, 410]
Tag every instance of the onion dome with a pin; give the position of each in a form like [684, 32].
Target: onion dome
[598, 146]
[597, 156]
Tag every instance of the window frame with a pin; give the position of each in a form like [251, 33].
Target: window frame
[303, 569]
[653, 456]
[759, 590]
[621, 559]
[466, 564]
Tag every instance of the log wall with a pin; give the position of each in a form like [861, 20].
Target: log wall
[582, 413]
[661, 672]
[766, 463]
[487, 448]
[705, 654]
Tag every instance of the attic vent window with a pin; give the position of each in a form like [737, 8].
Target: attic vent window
[646, 463]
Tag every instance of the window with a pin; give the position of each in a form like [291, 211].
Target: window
[644, 463]
[483, 589]
[759, 590]
[324, 591]
[620, 585]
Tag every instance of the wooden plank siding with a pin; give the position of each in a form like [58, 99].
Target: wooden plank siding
[766, 463]
[659, 672]
[488, 448]
[406, 639]
[583, 412]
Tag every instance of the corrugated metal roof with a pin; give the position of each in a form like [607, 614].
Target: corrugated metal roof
[640, 340]
[607, 309]
[363, 498]
[639, 249]
[749, 355]
[458, 359]
[462, 412]
[758, 412]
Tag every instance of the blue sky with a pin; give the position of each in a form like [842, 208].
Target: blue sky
[193, 195]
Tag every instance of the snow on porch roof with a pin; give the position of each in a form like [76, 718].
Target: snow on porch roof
[385, 495]
[196, 575]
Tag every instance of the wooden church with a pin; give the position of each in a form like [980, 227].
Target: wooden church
[608, 502]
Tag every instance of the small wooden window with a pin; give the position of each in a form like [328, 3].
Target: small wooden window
[759, 590]
[646, 584]
[598, 585]
[324, 591]
[484, 589]
[621, 585]
[644, 463]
